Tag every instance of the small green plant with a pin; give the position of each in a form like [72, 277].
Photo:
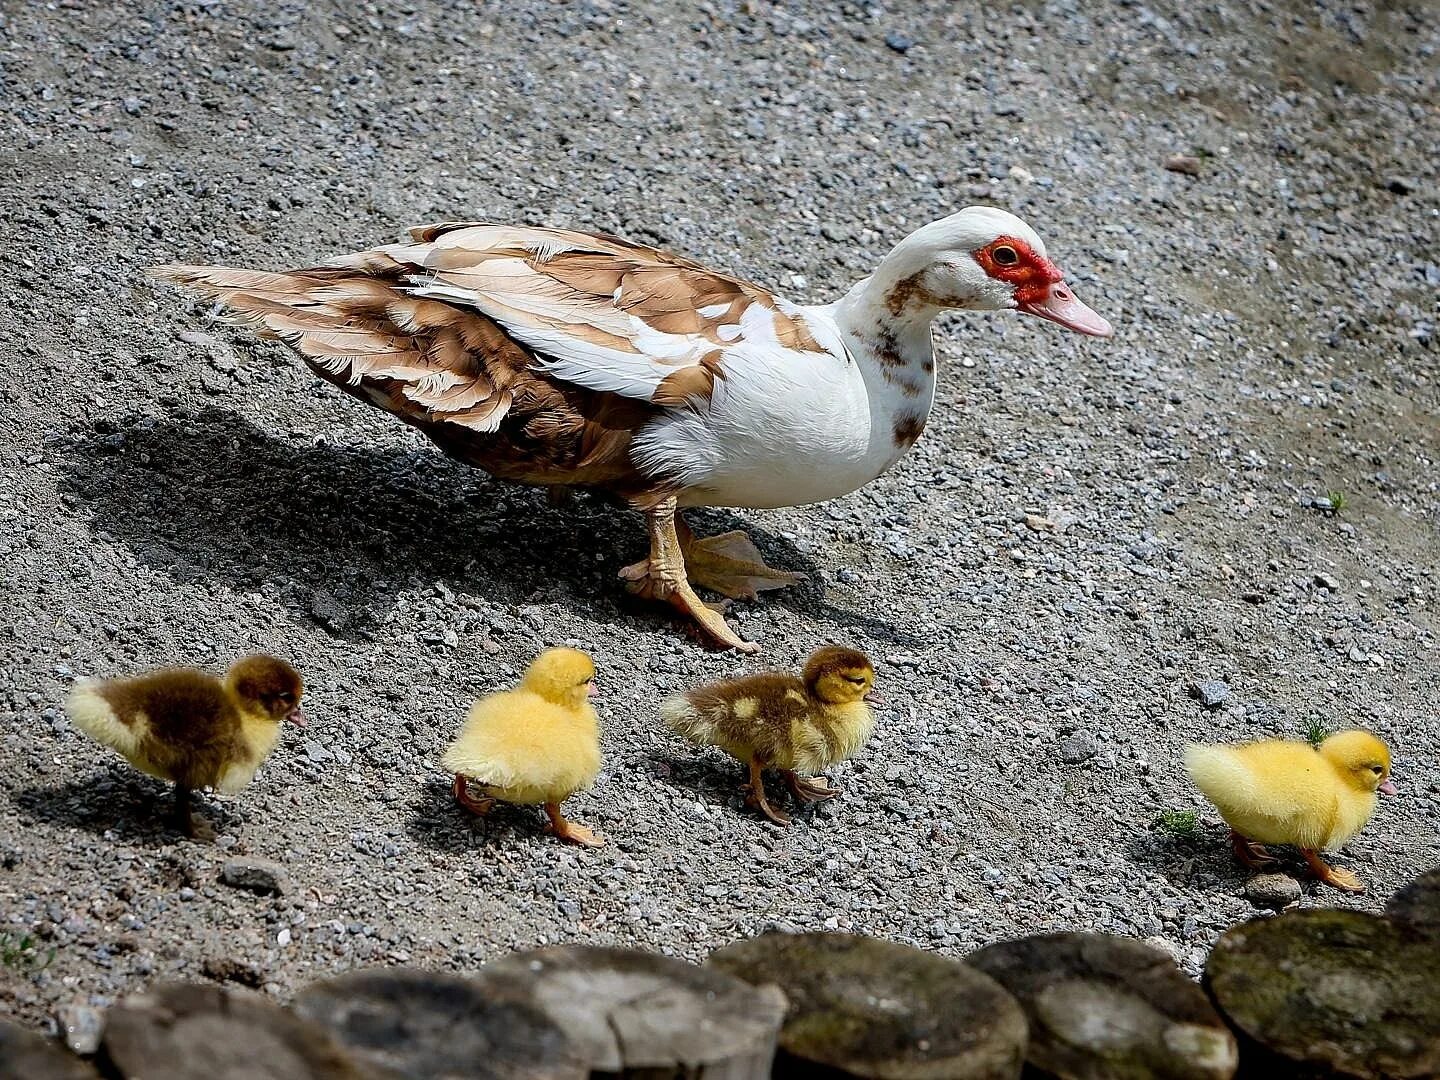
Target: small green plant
[1336, 499]
[21, 952]
[1181, 824]
[1316, 731]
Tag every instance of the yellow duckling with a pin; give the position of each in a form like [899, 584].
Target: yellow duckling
[189, 727]
[800, 726]
[1278, 792]
[535, 745]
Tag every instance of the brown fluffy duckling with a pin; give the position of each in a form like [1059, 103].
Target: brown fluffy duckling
[800, 726]
[189, 727]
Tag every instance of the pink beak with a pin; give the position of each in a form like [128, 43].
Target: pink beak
[296, 717]
[1388, 787]
[1061, 305]
[874, 698]
[593, 691]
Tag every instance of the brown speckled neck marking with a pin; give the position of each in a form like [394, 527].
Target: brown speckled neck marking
[908, 428]
[907, 291]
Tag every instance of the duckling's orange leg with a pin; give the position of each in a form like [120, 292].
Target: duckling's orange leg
[662, 577]
[461, 789]
[1250, 853]
[730, 564]
[815, 789]
[1346, 880]
[755, 795]
[568, 830]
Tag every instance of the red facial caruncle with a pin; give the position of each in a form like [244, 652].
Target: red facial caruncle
[1039, 285]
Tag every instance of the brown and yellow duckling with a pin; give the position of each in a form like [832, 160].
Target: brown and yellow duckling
[800, 726]
[189, 727]
[535, 745]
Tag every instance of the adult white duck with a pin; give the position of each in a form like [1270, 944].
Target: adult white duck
[565, 358]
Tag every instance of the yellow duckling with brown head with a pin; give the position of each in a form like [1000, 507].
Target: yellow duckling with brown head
[535, 745]
[1281, 792]
[800, 726]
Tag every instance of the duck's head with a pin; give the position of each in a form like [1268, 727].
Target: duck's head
[267, 686]
[838, 676]
[981, 259]
[1361, 759]
[562, 676]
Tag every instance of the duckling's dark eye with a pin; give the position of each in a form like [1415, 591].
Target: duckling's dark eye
[1377, 769]
[1005, 255]
[858, 680]
[287, 697]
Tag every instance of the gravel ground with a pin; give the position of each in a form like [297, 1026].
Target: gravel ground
[174, 492]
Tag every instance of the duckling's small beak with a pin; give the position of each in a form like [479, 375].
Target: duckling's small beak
[1061, 305]
[593, 690]
[296, 717]
[1388, 787]
[873, 697]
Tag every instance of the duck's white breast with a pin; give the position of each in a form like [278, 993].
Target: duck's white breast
[782, 428]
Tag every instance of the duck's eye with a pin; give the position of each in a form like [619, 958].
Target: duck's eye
[1377, 770]
[287, 697]
[858, 680]
[1005, 255]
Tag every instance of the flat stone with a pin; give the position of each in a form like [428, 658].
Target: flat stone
[187, 1031]
[1102, 1006]
[403, 1023]
[1417, 906]
[1081, 746]
[1272, 890]
[81, 1027]
[255, 875]
[643, 1014]
[862, 1007]
[1211, 693]
[1326, 993]
[24, 1055]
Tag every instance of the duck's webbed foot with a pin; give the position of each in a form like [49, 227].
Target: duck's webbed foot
[1334, 876]
[1250, 853]
[663, 577]
[813, 789]
[730, 564]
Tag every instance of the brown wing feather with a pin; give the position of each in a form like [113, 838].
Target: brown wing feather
[452, 372]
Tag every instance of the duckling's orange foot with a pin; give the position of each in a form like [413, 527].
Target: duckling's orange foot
[1345, 880]
[1250, 853]
[814, 789]
[569, 831]
[731, 565]
[461, 790]
[755, 799]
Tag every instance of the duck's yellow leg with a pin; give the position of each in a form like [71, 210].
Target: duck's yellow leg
[662, 577]
[568, 830]
[814, 789]
[1250, 853]
[461, 789]
[1345, 880]
[730, 564]
[755, 795]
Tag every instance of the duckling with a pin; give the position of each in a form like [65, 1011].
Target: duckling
[536, 744]
[189, 727]
[1279, 792]
[800, 726]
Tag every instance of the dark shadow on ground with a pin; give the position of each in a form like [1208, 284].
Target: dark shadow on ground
[718, 780]
[441, 824]
[121, 801]
[336, 532]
